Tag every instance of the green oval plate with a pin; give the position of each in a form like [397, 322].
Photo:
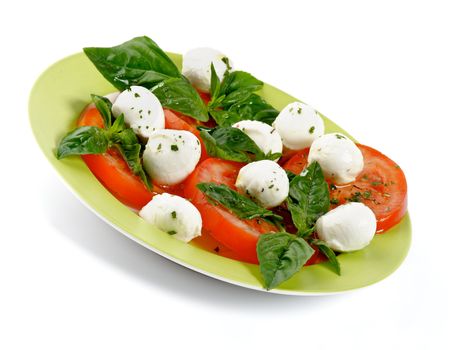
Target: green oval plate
[56, 100]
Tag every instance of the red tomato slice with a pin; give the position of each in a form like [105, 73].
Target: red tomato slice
[112, 171]
[238, 235]
[381, 186]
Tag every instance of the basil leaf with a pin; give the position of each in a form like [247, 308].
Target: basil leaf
[179, 95]
[308, 198]
[329, 253]
[280, 256]
[254, 108]
[224, 118]
[240, 205]
[239, 80]
[215, 85]
[118, 125]
[83, 140]
[128, 145]
[139, 61]
[104, 107]
[233, 144]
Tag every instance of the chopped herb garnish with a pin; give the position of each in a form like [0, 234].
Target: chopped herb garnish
[216, 249]
[271, 186]
[334, 201]
[140, 111]
[311, 130]
[338, 136]
[172, 232]
[376, 183]
[365, 177]
[299, 110]
[174, 148]
[356, 197]
[159, 146]
[367, 194]
[332, 187]
[174, 214]
[149, 112]
[136, 95]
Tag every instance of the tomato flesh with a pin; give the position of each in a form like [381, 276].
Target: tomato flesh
[381, 186]
[112, 171]
[238, 235]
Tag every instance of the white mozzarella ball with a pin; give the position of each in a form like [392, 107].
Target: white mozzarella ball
[196, 66]
[171, 155]
[348, 227]
[298, 125]
[339, 157]
[265, 136]
[142, 110]
[174, 215]
[263, 181]
[112, 96]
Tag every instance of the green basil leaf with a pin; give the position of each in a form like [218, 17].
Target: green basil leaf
[217, 151]
[179, 95]
[128, 145]
[118, 125]
[280, 256]
[83, 140]
[139, 61]
[239, 80]
[233, 144]
[235, 97]
[240, 205]
[254, 108]
[224, 118]
[104, 107]
[215, 85]
[329, 253]
[308, 198]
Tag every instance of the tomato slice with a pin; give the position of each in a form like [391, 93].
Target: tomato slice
[112, 171]
[241, 236]
[381, 186]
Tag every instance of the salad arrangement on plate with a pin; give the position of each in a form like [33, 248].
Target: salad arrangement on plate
[203, 157]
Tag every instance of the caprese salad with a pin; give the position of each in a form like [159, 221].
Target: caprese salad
[203, 157]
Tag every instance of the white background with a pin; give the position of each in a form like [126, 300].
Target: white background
[392, 73]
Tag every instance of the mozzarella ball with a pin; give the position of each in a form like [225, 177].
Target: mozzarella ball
[171, 155]
[265, 136]
[196, 66]
[339, 157]
[298, 125]
[263, 181]
[112, 96]
[174, 215]
[142, 110]
[348, 227]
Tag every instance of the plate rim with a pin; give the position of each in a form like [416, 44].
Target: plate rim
[172, 258]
